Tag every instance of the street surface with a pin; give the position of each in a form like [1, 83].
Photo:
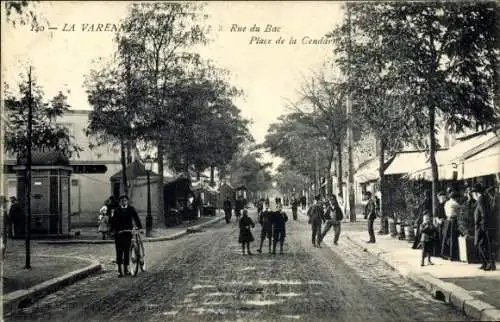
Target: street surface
[204, 277]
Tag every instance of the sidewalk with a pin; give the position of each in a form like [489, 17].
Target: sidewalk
[475, 292]
[21, 287]
[90, 235]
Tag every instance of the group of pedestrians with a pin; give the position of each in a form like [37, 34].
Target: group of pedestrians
[273, 228]
[456, 215]
[326, 212]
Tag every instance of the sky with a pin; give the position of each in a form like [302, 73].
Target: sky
[269, 74]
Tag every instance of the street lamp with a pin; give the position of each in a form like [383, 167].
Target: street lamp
[149, 218]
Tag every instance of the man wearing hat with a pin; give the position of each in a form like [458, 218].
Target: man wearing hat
[370, 213]
[439, 221]
[481, 238]
[120, 221]
[316, 218]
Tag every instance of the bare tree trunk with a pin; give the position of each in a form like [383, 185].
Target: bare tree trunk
[340, 170]
[384, 229]
[161, 204]
[212, 175]
[123, 161]
[129, 152]
[434, 167]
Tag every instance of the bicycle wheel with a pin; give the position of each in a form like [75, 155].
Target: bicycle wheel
[134, 257]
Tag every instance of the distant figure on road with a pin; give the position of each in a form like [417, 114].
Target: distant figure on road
[303, 201]
[295, 206]
[260, 206]
[371, 215]
[228, 208]
[238, 207]
[267, 228]
[279, 219]
[246, 237]
[316, 218]
[122, 220]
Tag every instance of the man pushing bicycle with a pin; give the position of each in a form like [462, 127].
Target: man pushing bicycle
[121, 221]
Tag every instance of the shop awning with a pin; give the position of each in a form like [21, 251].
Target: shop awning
[407, 162]
[483, 163]
[455, 159]
[368, 171]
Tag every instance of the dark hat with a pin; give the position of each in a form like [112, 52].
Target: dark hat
[454, 194]
[318, 197]
[368, 193]
[477, 188]
[124, 196]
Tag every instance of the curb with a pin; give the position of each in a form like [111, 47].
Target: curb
[21, 298]
[449, 292]
[145, 240]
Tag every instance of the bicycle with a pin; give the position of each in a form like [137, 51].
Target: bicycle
[137, 254]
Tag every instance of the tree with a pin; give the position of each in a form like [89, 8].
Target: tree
[165, 33]
[117, 93]
[246, 170]
[295, 139]
[288, 179]
[21, 12]
[208, 126]
[47, 135]
[330, 119]
[443, 54]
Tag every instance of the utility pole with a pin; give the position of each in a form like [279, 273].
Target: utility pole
[350, 171]
[28, 175]
[316, 156]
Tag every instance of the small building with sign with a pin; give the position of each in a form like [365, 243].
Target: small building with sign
[50, 193]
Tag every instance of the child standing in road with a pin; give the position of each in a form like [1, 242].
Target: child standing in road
[428, 230]
[246, 237]
[103, 222]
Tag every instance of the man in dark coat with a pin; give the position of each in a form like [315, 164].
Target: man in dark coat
[266, 224]
[316, 216]
[228, 208]
[439, 223]
[16, 215]
[279, 219]
[295, 206]
[481, 237]
[122, 220]
[238, 206]
[370, 213]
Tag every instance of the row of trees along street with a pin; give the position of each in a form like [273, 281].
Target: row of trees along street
[401, 66]
[155, 92]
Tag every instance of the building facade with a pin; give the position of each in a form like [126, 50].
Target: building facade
[92, 169]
